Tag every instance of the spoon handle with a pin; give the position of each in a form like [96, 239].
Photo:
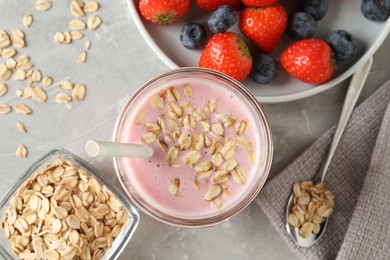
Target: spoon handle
[354, 89]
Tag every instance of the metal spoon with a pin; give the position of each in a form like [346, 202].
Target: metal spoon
[355, 87]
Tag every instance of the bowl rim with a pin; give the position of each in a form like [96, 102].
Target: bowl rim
[267, 99]
[37, 164]
[209, 221]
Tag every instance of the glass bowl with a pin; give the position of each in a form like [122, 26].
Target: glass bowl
[209, 79]
[119, 242]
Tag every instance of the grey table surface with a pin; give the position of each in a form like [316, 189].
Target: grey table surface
[118, 62]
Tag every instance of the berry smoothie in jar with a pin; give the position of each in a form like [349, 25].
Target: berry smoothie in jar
[211, 142]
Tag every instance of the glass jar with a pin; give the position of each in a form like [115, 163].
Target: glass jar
[218, 84]
[119, 242]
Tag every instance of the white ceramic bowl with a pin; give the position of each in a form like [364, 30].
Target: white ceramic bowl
[345, 14]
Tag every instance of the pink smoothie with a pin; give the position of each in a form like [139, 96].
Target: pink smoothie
[151, 178]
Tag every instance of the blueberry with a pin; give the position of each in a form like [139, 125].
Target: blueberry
[301, 26]
[375, 10]
[193, 36]
[222, 19]
[316, 8]
[342, 43]
[264, 69]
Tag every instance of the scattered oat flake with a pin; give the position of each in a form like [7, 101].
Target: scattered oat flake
[27, 20]
[43, 5]
[243, 143]
[187, 90]
[18, 41]
[213, 192]
[59, 37]
[204, 175]
[23, 59]
[67, 38]
[39, 95]
[87, 45]
[11, 63]
[217, 128]
[19, 92]
[77, 24]
[174, 187]
[306, 229]
[24, 66]
[157, 102]
[210, 106]
[140, 118]
[78, 92]
[172, 155]
[5, 109]
[239, 175]
[27, 92]
[221, 176]
[36, 76]
[91, 6]
[153, 127]
[93, 22]
[3, 89]
[191, 158]
[18, 33]
[149, 137]
[196, 184]
[82, 57]
[226, 194]
[8, 53]
[5, 72]
[98, 229]
[23, 109]
[252, 157]
[6, 75]
[21, 151]
[63, 98]
[76, 35]
[19, 75]
[216, 203]
[21, 127]
[4, 40]
[293, 220]
[47, 81]
[316, 228]
[173, 94]
[76, 9]
[66, 85]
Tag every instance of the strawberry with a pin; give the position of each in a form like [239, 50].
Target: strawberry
[211, 5]
[309, 60]
[258, 3]
[163, 12]
[264, 26]
[227, 53]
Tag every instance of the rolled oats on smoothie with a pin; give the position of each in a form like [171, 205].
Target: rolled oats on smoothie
[205, 143]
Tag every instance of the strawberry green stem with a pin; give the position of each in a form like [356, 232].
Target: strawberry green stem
[164, 18]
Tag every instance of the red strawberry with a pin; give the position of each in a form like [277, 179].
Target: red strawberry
[163, 12]
[264, 26]
[309, 60]
[211, 5]
[258, 3]
[227, 53]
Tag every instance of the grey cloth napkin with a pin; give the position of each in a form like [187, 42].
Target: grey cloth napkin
[359, 174]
